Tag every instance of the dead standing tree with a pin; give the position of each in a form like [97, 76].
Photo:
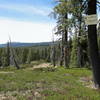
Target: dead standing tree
[53, 51]
[13, 55]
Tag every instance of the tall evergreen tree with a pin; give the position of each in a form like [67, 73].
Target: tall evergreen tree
[62, 10]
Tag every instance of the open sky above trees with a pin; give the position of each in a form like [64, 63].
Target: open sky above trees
[26, 20]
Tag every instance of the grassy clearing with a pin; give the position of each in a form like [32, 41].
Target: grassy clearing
[46, 84]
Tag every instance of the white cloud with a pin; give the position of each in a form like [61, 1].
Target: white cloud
[27, 9]
[25, 31]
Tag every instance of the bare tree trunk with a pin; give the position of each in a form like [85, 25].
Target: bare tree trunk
[62, 51]
[61, 56]
[8, 54]
[65, 57]
[53, 60]
[93, 45]
[79, 52]
[16, 64]
[66, 45]
[13, 56]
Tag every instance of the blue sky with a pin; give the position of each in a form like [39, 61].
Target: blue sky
[26, 20]
[26, 10]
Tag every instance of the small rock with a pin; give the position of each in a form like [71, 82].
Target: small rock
[37, 94]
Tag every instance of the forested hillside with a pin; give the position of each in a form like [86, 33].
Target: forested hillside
[18, 44]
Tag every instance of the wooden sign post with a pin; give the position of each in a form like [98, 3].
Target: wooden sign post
[92, 40]
[91, 19]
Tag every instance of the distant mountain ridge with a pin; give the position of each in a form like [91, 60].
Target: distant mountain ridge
[20, 44]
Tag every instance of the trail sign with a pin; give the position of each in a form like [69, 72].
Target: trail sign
[91, 19]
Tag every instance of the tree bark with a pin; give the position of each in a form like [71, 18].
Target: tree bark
[93, 45]
[8, 54]
[79, 53]
[66, 45]
[53, 56]
[62, 52]
[79, 49]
